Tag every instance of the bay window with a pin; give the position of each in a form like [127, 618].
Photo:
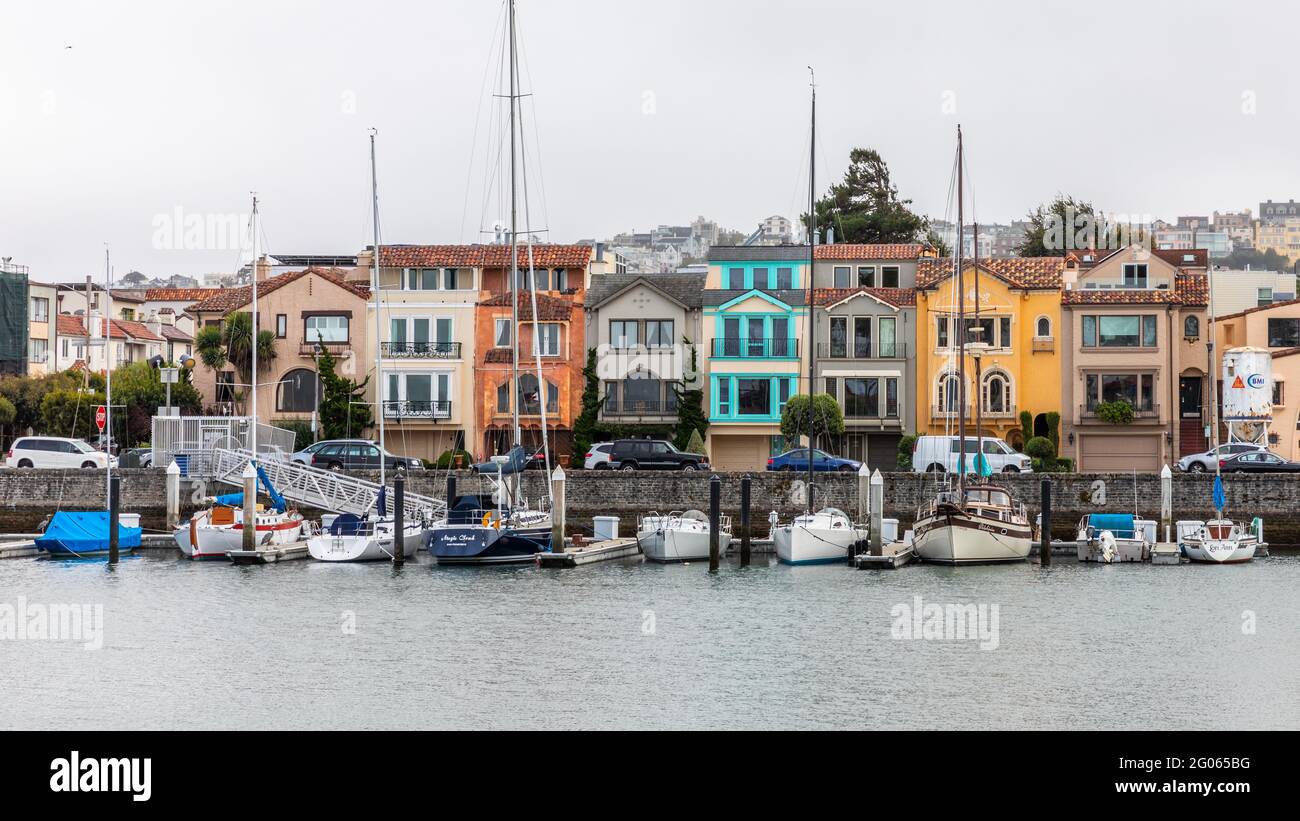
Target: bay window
[1119, 331]
[327, 328]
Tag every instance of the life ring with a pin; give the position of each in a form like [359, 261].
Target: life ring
[488, 521]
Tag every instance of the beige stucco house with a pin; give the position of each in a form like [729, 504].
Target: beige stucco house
[1134, 329]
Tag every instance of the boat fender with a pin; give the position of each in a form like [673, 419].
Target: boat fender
[489, 521]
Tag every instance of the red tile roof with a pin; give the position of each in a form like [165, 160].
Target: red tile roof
[1283, 304]
[180, 294]
[854, 251]
[551, 309]
[482, 256]
[125, 329]
[174, 334]
[1028, 273]
[897, 297]
[70, 325]
[230, 299]
[498, 356]
[1191, 290]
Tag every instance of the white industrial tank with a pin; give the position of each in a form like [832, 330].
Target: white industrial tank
[1247, 392]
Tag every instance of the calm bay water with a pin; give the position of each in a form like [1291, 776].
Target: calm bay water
[627, 645]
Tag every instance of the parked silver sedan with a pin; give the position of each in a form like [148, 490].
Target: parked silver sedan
[1201, 462]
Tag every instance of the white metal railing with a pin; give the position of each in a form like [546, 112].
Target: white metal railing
[313, 487]
[190, 440]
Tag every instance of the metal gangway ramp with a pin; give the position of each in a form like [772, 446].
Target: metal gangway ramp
[323, 489]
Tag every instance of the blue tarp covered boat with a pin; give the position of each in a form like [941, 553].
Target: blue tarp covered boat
[77, 534]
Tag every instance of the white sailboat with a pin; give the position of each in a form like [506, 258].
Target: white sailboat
[827, 535]
[680, 536]
[350, 538]
[212, 533]
[1220, 540]
[977, 523]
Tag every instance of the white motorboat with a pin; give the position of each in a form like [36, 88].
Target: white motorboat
[980, 526]
[680, 537]
[1220, 541]
[1115, 537]
[826, 536]
[210, 533]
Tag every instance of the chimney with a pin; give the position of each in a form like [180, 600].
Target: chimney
[263, 269]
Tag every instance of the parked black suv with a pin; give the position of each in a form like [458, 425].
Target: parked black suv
[653, 454]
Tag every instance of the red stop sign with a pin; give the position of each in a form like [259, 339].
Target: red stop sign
[101, 417]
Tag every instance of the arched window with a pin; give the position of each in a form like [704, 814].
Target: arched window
[996, 392]
[299, 391]
[530, 397]
[1043, 328]
[1192, 327]
[949, 392]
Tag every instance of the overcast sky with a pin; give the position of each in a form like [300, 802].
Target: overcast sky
[645, 113]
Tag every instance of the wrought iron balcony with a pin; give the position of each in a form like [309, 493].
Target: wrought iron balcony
[421, 350]
[861, 350]
[636, 408]
[1146, 412]
[986, 412]
[436, 409]
[727, 347]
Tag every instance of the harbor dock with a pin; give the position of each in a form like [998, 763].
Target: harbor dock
[272, 554]
[590, 553]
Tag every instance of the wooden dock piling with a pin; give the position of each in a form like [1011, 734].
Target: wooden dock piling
[173, 495]
[1045, 525]
[746, 545]
[557, 509]
[877, 513]
[399, 519]
[114, 513]
[715, 520]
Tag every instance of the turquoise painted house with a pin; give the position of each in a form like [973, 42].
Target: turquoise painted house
[754, 323]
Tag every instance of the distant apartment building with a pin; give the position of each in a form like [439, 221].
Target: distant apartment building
[994, 240]
[1193, 232]
[1281, 235]
[1238, 225]
[1278, 212]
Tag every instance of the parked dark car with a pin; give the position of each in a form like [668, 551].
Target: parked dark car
[1259, 461]
[360, 456]
[797, 459]
[653, 454]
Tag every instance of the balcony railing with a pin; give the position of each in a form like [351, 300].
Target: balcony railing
[858, 414]
[436, 409]
[756, 348]
[634, 408]
[1089, 411]
[1005, 412]
[421, 350]
[336, 349]
[861, 350]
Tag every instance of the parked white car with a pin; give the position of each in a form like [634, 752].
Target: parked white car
[1209, 460]
[938, 454]
[597, 457]
[54, 452]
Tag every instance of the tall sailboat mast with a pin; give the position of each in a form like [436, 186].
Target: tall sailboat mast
[961, 328]
[514, 239]
[108, 376]
[374, 280]
[253, 387]
[812, 244]
[1213, 377]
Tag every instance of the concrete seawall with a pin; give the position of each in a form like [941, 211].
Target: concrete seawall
[28, 496]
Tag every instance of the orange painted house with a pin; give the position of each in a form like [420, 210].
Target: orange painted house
[561, 275]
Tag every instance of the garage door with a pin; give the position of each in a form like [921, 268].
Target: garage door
[1099, 454]
[882, 451]
[739, 452]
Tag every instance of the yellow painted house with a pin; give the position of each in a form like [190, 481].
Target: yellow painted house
[1019, 303]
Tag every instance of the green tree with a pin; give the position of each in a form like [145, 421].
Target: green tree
[696, 444]
[232, 344]
[690, 401]
[1045, 235]
[865, 206]
[584, 427]
[138, 387]
[71, 413]
[1256, 260]
[26, 393]
[340, 414]
[905, 446]
[828, 419]
[8, 413]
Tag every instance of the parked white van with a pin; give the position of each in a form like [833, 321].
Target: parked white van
[938, 454]
[53, 452]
